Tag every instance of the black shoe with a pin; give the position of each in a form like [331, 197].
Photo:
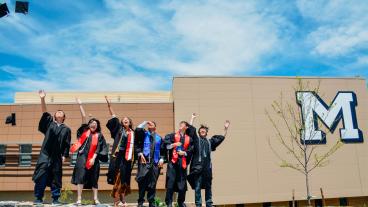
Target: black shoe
[38, 201]
[152, 205]
[182, 205]
[56, 202]
[140, 205]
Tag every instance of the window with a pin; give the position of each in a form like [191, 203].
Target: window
[291, 204]
[2, 155]
[318, 203]
[343, 201]
[267, 204]
[25, 155]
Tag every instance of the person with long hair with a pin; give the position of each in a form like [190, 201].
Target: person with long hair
[91, 148]
[120, 166]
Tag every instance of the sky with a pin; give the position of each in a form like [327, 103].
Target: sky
[119, 45]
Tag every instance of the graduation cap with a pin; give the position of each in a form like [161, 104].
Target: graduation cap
[3, 10]
[21, 7]
[10, 119]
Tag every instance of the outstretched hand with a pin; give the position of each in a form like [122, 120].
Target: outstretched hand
[41, 93]
[194, 115]
[227, 124]
[78, 101]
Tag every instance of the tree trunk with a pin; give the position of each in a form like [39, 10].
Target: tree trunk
[308, 192]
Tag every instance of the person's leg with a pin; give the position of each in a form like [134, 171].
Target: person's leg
[197, 191]
[208, 194]
[170, 182]
[141, 192]
[79, 193]
[55, 193]
[95, 195]
[151, 194]
[39, 188]
[123, 199]
[169, 196]
[181, 178]
[151, 191]
[181, 198]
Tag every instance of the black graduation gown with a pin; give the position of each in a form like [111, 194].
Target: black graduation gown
[175, 175]
[118, 162]
[81, 175]
[148, 173]
[55, 145]
[201, 165]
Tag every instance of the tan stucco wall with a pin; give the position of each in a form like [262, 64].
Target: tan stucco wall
[245, 169]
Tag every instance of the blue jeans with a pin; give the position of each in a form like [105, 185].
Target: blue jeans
[198, 196]
[40, 187]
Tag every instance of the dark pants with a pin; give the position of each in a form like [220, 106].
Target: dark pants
[40, 187]
[176, 178]
[147, 179]
[169, 197]
[151, 193]
[208, 193]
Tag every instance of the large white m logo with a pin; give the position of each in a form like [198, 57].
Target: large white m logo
[341, 108]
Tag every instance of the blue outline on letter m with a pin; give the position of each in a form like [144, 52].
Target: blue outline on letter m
[342, 108]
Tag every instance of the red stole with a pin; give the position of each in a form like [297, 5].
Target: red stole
[175, 153]
[92, 148]
[129, 145]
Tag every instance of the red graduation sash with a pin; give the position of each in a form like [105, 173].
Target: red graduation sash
[175, 153]
[92, 148]
[129, 145]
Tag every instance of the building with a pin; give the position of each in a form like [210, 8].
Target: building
[245, 168]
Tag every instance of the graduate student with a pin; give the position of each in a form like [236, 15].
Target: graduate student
[120, 167]
[91, 148]
[180, 146]
[151, 153]
[200, 176]
[54, 150]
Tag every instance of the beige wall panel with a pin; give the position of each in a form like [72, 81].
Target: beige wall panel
[245, 168]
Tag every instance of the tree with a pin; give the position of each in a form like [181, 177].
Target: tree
[286, 119]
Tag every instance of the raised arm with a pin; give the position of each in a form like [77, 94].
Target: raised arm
[216, 140]
[194, 116]
[111, 111]
[83, 113]
[139, 140]
[42, 95]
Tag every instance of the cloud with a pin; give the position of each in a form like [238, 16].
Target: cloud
[132, 45]
[136, 46]
[342, 28]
